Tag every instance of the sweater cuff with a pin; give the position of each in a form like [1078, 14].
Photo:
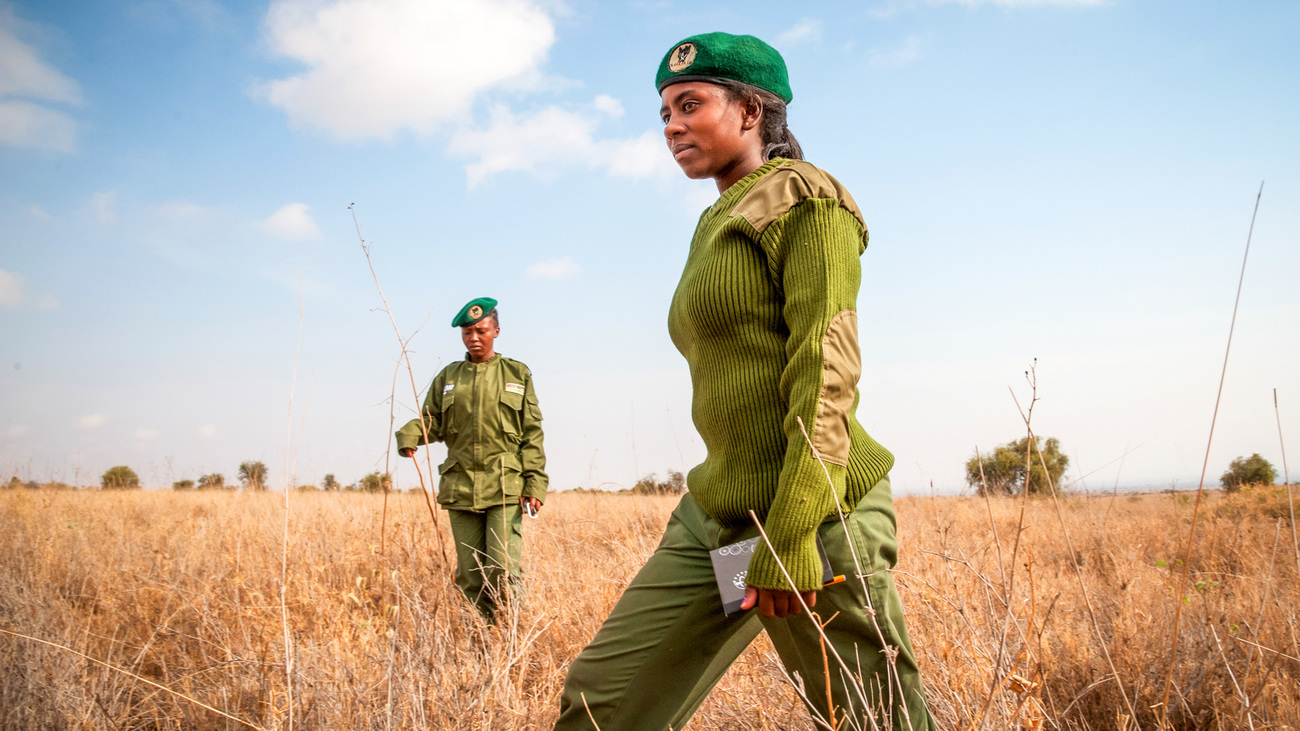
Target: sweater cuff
[803, 501]
[800, 560]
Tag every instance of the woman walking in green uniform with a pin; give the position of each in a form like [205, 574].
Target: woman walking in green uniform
[765, 315]
[485, 409]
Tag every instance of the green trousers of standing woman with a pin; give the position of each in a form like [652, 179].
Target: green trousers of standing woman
[667, 642]
[488, 544]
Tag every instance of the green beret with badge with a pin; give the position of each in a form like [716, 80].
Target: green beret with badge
[714, 56]
[473, 311]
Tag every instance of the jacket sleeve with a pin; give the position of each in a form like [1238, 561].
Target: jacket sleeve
[813, 255]
[413, 435]
[531, 454]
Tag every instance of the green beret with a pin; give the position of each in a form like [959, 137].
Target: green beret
[713, 56]
[473, 311]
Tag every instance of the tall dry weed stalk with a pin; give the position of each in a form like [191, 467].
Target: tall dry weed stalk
[403, 360]
[1180, 597]
[1286, 477]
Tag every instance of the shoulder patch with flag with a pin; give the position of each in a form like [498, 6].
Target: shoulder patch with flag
[515, 388]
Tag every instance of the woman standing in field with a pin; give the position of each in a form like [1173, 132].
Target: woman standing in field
[765, 314]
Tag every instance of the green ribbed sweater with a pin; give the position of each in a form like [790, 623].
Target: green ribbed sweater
[765, 315]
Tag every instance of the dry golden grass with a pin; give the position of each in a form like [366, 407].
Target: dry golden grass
[183, 590]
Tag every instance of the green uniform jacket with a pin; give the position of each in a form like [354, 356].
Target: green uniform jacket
[488, 416]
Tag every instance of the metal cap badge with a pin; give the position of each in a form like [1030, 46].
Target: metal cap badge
[681, 58]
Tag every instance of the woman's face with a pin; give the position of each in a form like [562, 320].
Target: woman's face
[478, 339]
[709, 134]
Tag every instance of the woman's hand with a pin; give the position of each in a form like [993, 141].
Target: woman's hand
[777, 602]
[526, 502]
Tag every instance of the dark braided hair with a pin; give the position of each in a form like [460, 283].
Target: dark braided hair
[778, 140]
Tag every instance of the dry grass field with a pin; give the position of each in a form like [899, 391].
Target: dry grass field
[157, 604]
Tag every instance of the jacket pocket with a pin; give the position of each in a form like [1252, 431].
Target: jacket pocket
[512, 407]
[512, 480]
[447, 481]
[449, 425]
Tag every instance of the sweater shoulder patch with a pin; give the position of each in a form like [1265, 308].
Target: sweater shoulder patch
[790, 184]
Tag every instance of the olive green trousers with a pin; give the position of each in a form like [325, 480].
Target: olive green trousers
[488, 546]
[667, 642]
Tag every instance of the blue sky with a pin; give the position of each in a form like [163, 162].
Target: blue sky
[1064, 180]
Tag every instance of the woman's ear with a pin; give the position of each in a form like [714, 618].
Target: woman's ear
[753, 112]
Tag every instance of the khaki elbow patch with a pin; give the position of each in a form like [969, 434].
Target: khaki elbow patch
[841, 368]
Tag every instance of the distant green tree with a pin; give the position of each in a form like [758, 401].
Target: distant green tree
[1253, 470]
[13, 484]
[1004, 469]
[649, 485]
[120, 477]
[329, 483]
[183, 485]
[375, 482]
[676, 482]
[214, 481]
[252, 475]
[305, 488]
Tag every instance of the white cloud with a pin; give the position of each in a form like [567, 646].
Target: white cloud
[208, 431]
[104, 203]
[375, 68]
[606, 104]
[91, 421]
[11, 289]
[11, 293]
[901, 55]
[26, 124]
[14, 432]
[40, 214]
[146, 435]
[553, 137]
[807, 30]
[292, 222]
[554, 269]
[645, 156]
[26, 80]
[26, 75]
